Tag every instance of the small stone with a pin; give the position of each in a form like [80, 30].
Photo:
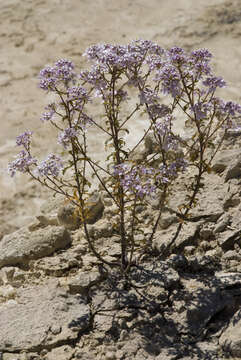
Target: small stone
[206, 234]
[231, 255]
[55, 329]
[68, 216]
[110, 355]
[189, 250]
[178, 262]
[222, 223]
[7, 291]
[234, 169]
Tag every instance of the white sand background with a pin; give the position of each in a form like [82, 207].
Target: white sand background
[34, 33]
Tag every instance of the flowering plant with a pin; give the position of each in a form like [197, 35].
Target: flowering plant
[118, 73]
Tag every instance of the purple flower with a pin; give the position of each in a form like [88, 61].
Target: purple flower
[66, 136]
[163, 129]
[22, 163]
[232, 108]
[95, 77]
[201, 110]
[177, 56]
[170, 80]
[137, 179]
[51, 76]
[201, 55]
[78, 95]
[47, 115]
[122, 56]
[166, 173]
[51, 166]
[47, 78]
[148, 96]
[199, 61]
[213, 82]
[24, 139]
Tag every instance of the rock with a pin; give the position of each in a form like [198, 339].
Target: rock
[231, 200]
[102, 228]
[159, 275]
[231, 255]
[202, 301]
[68, 214]
[223, 158]
[61, 353]
[204, 263]
[228, 238]
[228, 279]
[186, 237]
[27, 324]
[230, 339]
[7, 292]
[167, 220]
[23, 245]
[139, 154]
[222, 223]
[57, 265]
[189, 250]
[234, 169]
[22, 356]
[206, 233]
[12, 275]
[178, 262]
[81, 283]
[232, 133]
[49, 211]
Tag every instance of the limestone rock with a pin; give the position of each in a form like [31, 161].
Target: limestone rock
[49, 211]
[12, 275]
[234, 169]
[230, 339]
[31, 323]
[222, 223]
[228, 238]
[23, 245]
[80, 283]
[68, 214]
[95, 208]
[222, 159]
[61, 353]
[202, 301]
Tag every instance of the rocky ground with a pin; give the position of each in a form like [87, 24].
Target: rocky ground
[56, 301]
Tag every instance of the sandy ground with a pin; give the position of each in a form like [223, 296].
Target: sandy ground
[34, 33]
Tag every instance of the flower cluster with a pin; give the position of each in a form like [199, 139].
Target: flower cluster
[22, 163]
[67, 136]
[49, 113]
[78, 96]
[164, 129]
[61, 72]
[136, 179]
[24, 139]
[51, 166]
